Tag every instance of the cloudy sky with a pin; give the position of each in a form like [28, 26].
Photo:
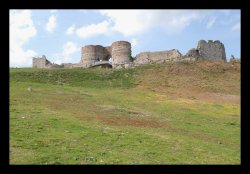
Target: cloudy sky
[60, 34]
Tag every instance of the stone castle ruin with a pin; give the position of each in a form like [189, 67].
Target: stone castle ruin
[118, 55]
[119, 52]
[42, 62]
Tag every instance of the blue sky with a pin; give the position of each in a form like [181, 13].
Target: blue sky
[60, 34]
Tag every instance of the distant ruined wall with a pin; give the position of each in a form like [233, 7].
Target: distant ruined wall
[71, 65]
[193, 53]
[40, 62]
[120, 52]
[157, 57]
[211, 50]
[205, 51]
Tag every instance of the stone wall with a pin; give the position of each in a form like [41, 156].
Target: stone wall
[43, 62]
[72, 65]
[157, 57]
[107, 52]
[193, 53]
[211, 50]
[40, 62]
[120, 52]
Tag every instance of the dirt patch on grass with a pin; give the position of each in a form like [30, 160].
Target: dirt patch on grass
[220, 98]
[121, 121]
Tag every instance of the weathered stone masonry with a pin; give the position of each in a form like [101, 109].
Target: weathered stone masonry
[211, 50]
[120, 52]
[157, 57]
[42, 62]
[93, 53]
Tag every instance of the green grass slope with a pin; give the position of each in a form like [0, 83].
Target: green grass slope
[173, 113]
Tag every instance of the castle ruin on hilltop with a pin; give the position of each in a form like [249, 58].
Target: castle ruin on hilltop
[120, 55]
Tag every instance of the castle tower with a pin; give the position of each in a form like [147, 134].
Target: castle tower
[211, 50]
[94, 53]
[88, 55]
[121, 53]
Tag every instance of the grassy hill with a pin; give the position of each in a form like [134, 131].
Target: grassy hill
[172, 113]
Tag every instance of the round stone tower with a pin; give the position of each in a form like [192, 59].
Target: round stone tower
[88, 55]
[121, 53]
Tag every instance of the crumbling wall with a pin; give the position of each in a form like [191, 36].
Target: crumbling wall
[211, 50]
[157, 57]
[107, 52]
[207, 51]
[120, 52]
[77, 65]
[94, 53]
[67, 65]
[193, 53]
[54, 65]
[71, 65]
[40, 62]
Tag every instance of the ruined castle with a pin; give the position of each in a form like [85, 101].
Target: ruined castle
[118, 55]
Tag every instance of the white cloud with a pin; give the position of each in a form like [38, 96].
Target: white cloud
[134, 42]
[93, 29]
[21, 30]
[211, 22]
[132, 22]
[68, 50]
[177, 20]
[51, 25]
[21, 58]
[70, 30]
[128, 22]
[236, 27]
